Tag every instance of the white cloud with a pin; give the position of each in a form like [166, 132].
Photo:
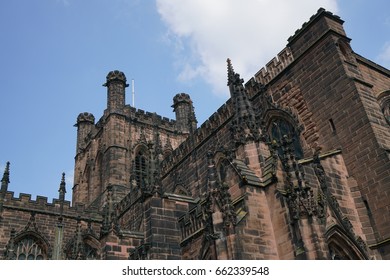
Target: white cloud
[250, 32]
[384, 56]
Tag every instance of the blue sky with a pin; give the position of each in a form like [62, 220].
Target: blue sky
[55, 55]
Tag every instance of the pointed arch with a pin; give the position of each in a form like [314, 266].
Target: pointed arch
[140, 165]
[280, 124]
[384, 103]
[179, 189]
[91, 247]
[342, 247]
[31, 245]
[87, 248]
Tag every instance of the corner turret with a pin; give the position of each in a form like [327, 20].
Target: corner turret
[85, 123]
[185, 116]
[116, 85]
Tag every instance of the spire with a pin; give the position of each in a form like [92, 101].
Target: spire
[244, 124]
[238, 93]
[61, 197]
[233, 78]
[62, 189]
[5, 180]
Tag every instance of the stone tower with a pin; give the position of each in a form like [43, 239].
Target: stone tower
[295, 165]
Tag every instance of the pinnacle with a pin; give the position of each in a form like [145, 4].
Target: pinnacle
[5, 178]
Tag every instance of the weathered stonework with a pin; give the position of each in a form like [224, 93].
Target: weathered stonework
[295, 165]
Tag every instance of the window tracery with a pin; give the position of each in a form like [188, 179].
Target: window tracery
[29, 249]
[280, 131]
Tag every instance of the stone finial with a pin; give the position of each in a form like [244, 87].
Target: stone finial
[62, 189]
[6, 173]
[5, 180]
[233, 78]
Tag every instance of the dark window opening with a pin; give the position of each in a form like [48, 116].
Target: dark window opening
[332, 126]
[140, 169]
[281, 129]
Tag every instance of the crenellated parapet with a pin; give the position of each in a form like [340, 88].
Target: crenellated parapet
[298, 43]
[149, 118]
[24, 202]
[275, 66]
[320, 12]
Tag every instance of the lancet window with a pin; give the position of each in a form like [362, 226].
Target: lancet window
[140, 166]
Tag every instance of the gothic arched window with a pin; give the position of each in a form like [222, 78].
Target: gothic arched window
[140, 166]
[222, 170]
[29, 249]
[384, 103]
[280, 130]
[386, 110]
[342, 247]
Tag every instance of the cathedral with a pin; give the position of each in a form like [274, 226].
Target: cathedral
[295, 165]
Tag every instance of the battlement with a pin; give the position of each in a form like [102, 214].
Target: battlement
[149, 118]
[274, 66]
[313, 18]
[299, 42]
[41, 205]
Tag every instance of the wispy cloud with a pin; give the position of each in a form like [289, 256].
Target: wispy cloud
[249, 32]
